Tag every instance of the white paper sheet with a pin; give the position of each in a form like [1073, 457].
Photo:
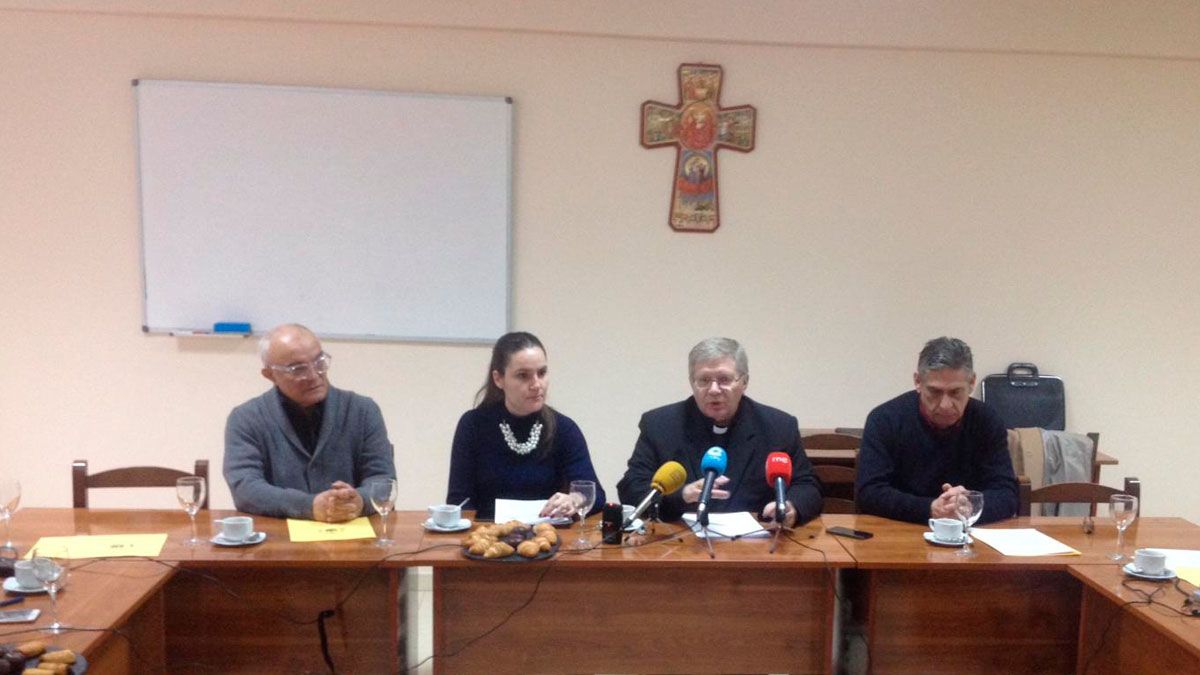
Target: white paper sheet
[524, 510]
[1022, 542]
[728, 525]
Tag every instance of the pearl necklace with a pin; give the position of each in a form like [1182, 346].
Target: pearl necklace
[535, 434]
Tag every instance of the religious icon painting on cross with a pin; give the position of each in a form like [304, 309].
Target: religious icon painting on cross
[697, 126]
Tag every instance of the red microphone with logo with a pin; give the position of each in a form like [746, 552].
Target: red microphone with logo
[779, 476]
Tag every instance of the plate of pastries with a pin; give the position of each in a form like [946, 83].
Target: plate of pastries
[35, 658]
[513, 541]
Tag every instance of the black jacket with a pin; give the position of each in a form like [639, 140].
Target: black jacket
[682, 433]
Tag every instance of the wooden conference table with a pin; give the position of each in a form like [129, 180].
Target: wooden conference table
[662, 607]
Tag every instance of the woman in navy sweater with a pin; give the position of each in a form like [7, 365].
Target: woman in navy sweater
[514, 446]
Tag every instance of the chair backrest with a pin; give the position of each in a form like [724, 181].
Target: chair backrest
[1059, 493]
[129, 477]
[838, 484]
[833, 441]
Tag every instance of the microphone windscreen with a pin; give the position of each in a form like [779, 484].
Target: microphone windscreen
[715, 459]
[779, 465]
[669, 477]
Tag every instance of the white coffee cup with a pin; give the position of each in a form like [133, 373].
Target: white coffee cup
[1149, 561]
[445, 515]
[946, 529]
[23, 573]
[236, 528]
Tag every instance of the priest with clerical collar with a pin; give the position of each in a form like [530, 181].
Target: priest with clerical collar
[924, 449]
[719, 414]
[304, 449]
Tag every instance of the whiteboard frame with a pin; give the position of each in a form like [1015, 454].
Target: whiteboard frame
[150, 329]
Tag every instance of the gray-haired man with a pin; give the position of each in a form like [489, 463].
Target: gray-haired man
[304, 449]
[923, 449]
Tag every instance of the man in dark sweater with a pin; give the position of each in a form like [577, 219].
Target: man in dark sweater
[923, 449]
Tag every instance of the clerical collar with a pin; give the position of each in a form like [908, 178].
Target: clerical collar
[719, 430]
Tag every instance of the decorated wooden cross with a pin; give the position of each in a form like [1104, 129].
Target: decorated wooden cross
[697, 126]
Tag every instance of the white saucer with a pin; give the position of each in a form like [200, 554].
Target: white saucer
[11, 585]
[463, 524]
[1167, 574]
[942, 542]
[254, 538]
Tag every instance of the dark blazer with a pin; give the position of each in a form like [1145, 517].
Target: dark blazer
[682, 433]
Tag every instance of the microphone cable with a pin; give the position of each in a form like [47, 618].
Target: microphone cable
[550, 563]
[1148, 599]
[319, 621]
[841, 600]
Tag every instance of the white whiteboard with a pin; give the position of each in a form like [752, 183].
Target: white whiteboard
[363, 214]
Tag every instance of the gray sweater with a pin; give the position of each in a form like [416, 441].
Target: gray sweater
[271, 474]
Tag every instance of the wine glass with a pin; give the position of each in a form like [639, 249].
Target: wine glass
[1123, 509]
[190, 491]
[970, 507]
[583, 495]
[10, 500]
[382, 493]
[51, 566]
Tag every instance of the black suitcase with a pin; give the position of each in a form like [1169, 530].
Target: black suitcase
[1025, 399]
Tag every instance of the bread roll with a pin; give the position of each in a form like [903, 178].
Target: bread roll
[528, 549]
[60, 656]
[30, 649]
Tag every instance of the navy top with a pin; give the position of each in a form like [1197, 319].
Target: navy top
[903, 461]
[484, 468]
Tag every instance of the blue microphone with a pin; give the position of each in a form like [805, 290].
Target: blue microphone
[713, 465]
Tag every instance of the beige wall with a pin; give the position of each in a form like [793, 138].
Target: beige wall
[1021, 175]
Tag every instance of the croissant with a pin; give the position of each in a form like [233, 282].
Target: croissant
[542, 542]
[481, 546]
[549, 535]
[498, 550]
[61, 656]
[31, 649]
[529, 548]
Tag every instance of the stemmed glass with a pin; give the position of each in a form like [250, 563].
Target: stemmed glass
[51, 566]
[583, 495]
[1123, 509]
[10, 500]
[190, 491]
[382, 493]
[970, 507]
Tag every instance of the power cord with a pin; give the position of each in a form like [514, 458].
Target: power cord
[1148, 599]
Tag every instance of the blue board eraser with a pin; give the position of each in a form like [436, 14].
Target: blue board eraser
[231, 327]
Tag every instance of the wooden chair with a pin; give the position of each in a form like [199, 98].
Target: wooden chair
[129, 477]
[838, 484]
[833, 441]
[1067, 493]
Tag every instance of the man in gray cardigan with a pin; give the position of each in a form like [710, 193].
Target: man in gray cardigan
[304, 449]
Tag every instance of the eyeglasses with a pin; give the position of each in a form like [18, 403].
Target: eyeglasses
[300, 371]
[723, 382]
